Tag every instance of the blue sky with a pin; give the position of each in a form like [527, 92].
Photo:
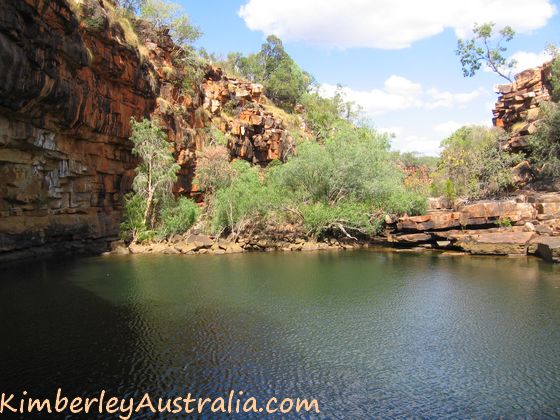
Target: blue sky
[395, 57]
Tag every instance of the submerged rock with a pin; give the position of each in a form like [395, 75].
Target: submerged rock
[549, 248]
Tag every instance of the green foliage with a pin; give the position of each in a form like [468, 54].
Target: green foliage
[415, 159]
[163, 14]
[473, 164]
[157, 170]
[347, 216]
[344, 186]
[151, 211]
[450, 191]
[93, 17]
[132, 225]
[482, 49]
[545, 143]
[177, 216]
[245, 203]
[554, 52]
[216, 137]
[555, 80]
[322, 114]
[347, 184]
[232, 106]
[504, 222]
[286, 84]
[283, 80]
[353, 163]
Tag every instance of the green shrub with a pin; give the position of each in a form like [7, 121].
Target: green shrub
[344, 186]
[286, 84]
[354, 163]
[348, 184]
[545, 143]
[216, 137]
[245, 203]
[504, 222]
[232, 107]
[474, 165]
[194, 71]
[177, 217]
[350, 218]
[450, 192]
[132, 225]
[321, 114]
[164, 14]
[284, 81]
[555, 79]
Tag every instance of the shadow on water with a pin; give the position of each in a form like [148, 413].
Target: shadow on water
[369, 334]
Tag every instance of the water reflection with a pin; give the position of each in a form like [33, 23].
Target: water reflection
[367, 333]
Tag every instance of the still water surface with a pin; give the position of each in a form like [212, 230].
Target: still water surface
[369, 334]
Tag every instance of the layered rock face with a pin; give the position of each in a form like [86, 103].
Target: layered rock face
[517, 108]
[254, 134]
[66, 98]
[527, 224]
[68, 89]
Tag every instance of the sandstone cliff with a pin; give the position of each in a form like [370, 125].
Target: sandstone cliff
[518, 111]
[517, 108]
[527, 223]
[71, 77]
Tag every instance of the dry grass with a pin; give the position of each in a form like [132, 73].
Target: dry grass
[291, 121]
[116, 17]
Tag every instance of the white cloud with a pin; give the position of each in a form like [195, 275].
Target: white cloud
[448, 127]
[526, 60]
[420, 144]
[386, 24]
[399, 93]
[444, 99]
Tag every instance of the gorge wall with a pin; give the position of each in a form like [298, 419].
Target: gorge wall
[70, 81]
[518, 111]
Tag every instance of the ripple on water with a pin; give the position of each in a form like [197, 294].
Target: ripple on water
[367, 334]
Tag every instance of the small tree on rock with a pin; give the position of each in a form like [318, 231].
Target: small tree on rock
[482, 49]
[157, 170]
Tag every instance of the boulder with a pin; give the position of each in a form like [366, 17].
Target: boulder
[430, 221]
[549, 248]
[234, 249]
[185, 247]
[522, 173]
[413, 238]
[200, 241]
[439, 203]
[529, 227]
[497, 243]
[138, 248]
[310, 246]
[119, 248]
[487, 211]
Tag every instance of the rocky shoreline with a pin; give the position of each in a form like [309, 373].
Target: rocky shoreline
[527, 224]
[500, 242]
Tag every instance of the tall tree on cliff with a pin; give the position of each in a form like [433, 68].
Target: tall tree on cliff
[284, 81]
[486, 48]
[164, 14]
[157, 170]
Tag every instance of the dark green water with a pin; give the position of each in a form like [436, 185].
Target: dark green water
[369, 334]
